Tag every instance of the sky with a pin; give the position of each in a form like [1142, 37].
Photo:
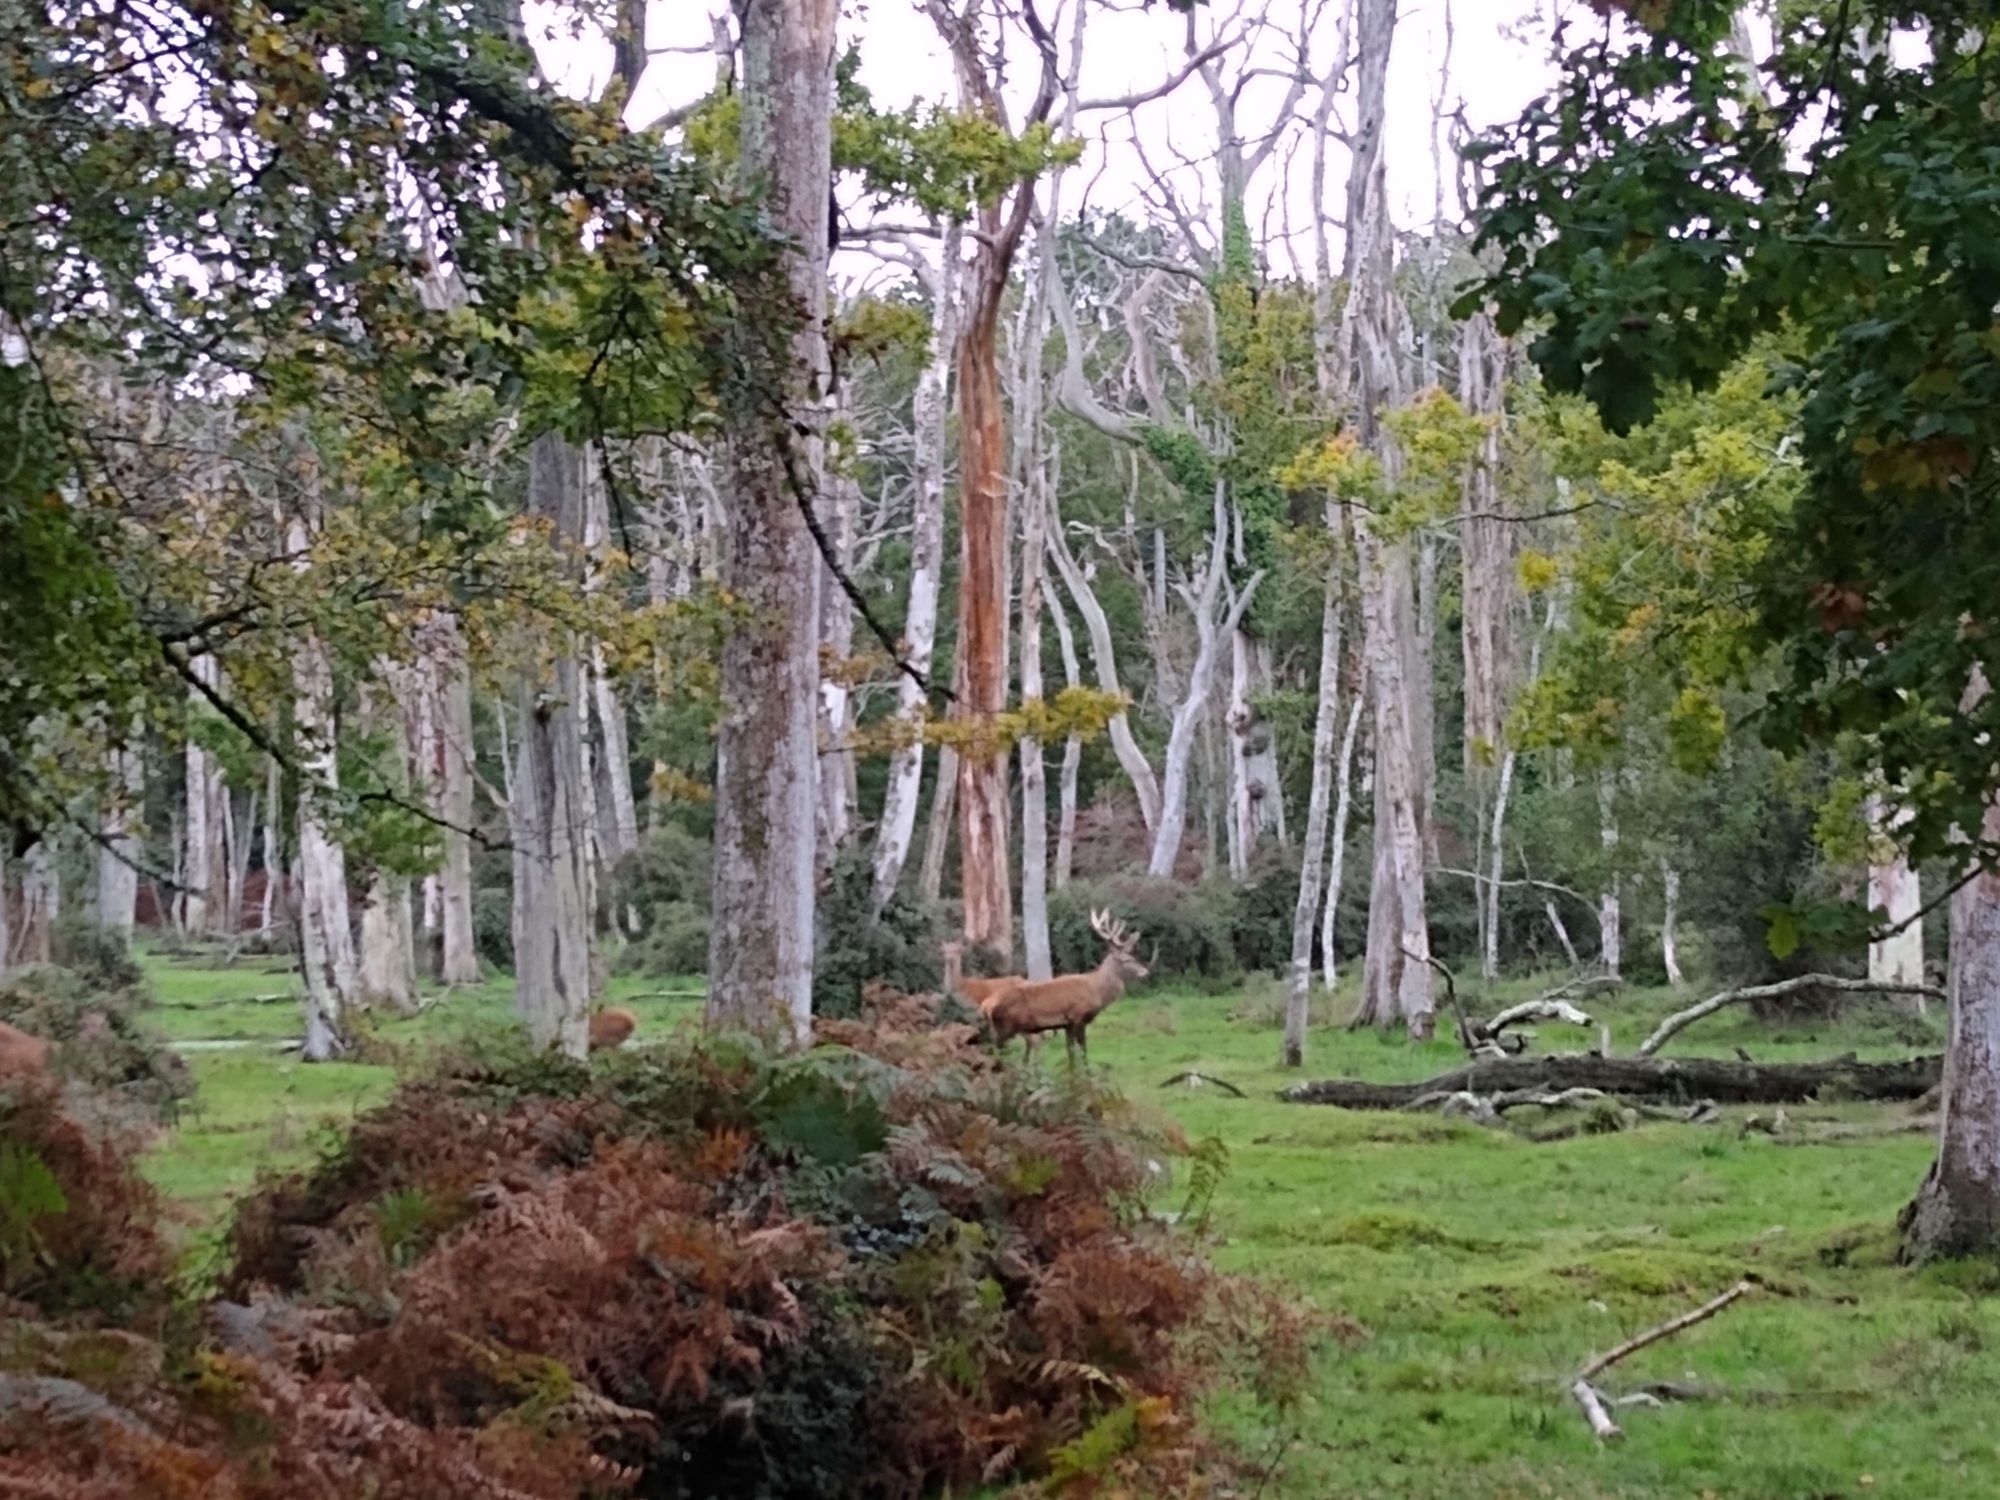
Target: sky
[1492, 55]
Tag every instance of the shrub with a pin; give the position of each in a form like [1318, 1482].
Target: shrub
[887, 1266]
[902, 948]
[77, 1221]
[103, 959]
[99, 1036]
[1187, 931]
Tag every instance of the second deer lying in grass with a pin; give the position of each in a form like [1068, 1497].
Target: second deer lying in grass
[1070, 1002]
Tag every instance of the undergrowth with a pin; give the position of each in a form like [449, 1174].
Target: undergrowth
[889, 1265]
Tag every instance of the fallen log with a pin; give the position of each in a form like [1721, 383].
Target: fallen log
[1677, 1078]
[1778, 991]
[1592, 1400]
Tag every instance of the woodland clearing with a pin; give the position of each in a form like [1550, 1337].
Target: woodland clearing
[1485, 1267]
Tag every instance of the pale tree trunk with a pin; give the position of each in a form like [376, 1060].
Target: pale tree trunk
[1034, 525]
[241, 835]
[1485, 551]
[203, 876]
[1131, 759]
[1241, 827]
[906, 763]
[118, 853]
[1610, 917]
[1488, 896]
[937, 833]
[1072, 748]
[1893, 886]
[1396, 975]
[1298, 999]
[1336, 864]
[326, 936]
[41, 904]
[388, 956]
[274, 860]
[1957, 1209]
[1203, 605]
[1670, 895]
[420, 723]
[761, 936]
[549, 815]
[834, 813]
[617, 807]
[458, 953]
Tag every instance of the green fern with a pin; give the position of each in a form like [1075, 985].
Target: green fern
[29, 1193]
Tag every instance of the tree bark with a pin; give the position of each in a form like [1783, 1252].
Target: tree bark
[548, 813]
[1957, 1209]
[274, 859]
[833, 811]
[118, 815]
[906, 763]
[326, 936]
[1894, 887]
[761, 935]
[388, 955]
[1298, 999]
[1336, 863]
[204, 875]
[1131, 759]
[1681, 1079]
[1203, 604]
[1072, 751]
[1489, 896]
[1029, 473]
[617, 805]
[41, 904]
[458, 955]
[1670, 890]
[1610, 916]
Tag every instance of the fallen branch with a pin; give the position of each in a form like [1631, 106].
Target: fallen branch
[1680, 1080]
[1587, 1395]
[1783, 987]
[1195, 1080]
[1533, 1010]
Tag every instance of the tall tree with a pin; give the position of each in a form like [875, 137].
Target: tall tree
[1002, 214]
[761, 937]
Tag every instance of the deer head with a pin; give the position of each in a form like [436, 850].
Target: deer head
[1122, 943]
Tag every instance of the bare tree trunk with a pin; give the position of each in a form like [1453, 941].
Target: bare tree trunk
[937, 833]
[239, 857]
[1034, 773]
[761, 935]
[274, 861]
[1336, 865]
[617, 806]
[833, 810]
[1609, 915]
[1957, 1209]
[203, 877]
[548, 812]
[458, 954]
[1299, 997]
[1131, 759]
[41, 904]
[906, 764]
[326, 937]
[1240, 829]
[1203, 605]
[1670, 889]
[1072, 751]
[388, 956]
[1894, 887]
[1489, 897]
[117, 854]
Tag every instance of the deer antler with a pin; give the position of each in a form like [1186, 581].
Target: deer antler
[1113, 932]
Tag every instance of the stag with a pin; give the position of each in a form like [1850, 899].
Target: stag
[22, 1052]
[980, 992]
[1070, 1002]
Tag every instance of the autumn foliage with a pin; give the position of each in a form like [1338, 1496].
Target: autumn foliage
[888, 1266]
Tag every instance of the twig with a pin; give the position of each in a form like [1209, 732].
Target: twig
[1587, 1395]
[1465, 1033]
[1714, 1003]
[1666, 1330]
[1196, 1080]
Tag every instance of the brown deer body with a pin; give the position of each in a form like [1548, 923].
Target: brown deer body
[1070, 1002]
[610, 1028]
[22, 1053]
[980, 992]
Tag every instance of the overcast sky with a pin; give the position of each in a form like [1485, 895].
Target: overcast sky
[1497, 62]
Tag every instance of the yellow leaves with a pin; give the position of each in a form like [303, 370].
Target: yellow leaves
[1079, 711]
[1638, 627]
[1537, 571]
[1929, 464]
[1336, 465]
[670, 786]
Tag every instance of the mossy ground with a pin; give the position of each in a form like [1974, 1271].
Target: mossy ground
[1484, 1267]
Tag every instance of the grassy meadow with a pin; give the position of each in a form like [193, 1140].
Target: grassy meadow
[1474, 1269]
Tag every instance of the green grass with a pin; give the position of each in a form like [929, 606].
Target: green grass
[1485, 1268]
